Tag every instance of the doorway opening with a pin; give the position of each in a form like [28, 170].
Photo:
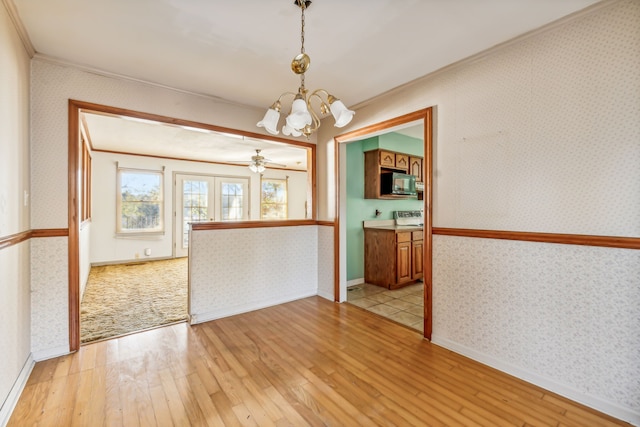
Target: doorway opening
[106, 228]
[410, 300]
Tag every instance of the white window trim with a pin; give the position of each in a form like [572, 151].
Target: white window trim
[138, 233]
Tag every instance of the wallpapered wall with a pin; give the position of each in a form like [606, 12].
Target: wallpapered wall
[569, 315]
[540, 135]
[238, 270]
[15, 337]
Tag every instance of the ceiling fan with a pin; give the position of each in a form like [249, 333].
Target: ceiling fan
[258, 163]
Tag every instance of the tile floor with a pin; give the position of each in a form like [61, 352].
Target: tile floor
[404, 305]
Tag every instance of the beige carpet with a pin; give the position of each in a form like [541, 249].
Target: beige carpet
[125, 298]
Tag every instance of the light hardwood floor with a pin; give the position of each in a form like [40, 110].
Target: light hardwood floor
[308, 362]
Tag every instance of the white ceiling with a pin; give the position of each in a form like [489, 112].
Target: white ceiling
[129, 135]
[241, 51]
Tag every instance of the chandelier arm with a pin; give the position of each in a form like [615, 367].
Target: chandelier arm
[314, 115]
[317, 92]
[285, 94]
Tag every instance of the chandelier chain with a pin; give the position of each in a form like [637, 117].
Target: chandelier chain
[302, 30]
[302, 7]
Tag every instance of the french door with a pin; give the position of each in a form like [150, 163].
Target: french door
[201, 198]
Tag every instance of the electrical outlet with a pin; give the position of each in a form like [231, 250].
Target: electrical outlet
[137, 255]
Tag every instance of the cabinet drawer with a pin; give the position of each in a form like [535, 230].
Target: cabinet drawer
[403, 237]
[417, 235]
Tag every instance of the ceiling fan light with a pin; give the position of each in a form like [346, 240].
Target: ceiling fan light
[299, 116]
[288, 130]
[341, 114]
[260, 168]
[270, 121]
[253, 167]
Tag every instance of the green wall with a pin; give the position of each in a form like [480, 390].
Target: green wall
[360, 209]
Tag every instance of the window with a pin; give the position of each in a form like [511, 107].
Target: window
[273, 199]
[140, 201]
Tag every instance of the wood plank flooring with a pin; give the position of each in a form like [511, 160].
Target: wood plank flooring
[309, 362]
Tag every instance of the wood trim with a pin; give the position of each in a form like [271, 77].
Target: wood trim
[119, 112]
[427, 173]
[200, 226]
[336, 219]
[155, 156]
[74, 175]
[312, 183]
[387, 124]
[14, 239]
[75, 107]
[326, 223]
[566, 239]
[50, 232]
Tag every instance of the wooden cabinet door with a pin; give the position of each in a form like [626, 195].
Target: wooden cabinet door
[403, 262]
[415, 168]
[417, 259]
[387, 158]
[402, 161]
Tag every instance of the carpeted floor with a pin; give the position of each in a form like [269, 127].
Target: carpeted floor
[125, 298]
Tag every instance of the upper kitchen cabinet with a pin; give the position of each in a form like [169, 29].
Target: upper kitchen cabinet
[415, 167]
[377, 162]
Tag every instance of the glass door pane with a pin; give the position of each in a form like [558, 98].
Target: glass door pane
[234, 198]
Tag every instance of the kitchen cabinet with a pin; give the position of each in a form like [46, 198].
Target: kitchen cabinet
[379, 161]
[393, 257]
[415, 168]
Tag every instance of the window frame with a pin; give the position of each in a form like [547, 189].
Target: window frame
[157, 231]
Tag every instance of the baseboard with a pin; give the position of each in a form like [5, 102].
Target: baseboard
[14, 394]
[50, 353]
[566, 390]
[232, 311]
[131, 261]
[355, 282]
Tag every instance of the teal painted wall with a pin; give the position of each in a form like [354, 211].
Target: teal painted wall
[360, 209]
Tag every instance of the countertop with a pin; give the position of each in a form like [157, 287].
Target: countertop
[396, 227]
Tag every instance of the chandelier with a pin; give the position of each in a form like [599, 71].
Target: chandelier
[302, 119]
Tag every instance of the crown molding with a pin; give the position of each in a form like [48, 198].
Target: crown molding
[491, 51]
[19, 26]
[68, 64]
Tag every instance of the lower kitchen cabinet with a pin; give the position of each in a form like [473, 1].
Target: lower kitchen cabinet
[393, 257]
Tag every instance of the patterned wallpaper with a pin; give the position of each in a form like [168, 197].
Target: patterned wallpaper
[325, 262]
[49, 296]
[238, 270]
[563, 312]
[547, 132]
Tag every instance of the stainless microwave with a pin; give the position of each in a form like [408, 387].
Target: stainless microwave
[396, 183]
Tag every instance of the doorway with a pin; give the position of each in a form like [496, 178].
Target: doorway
[340, 280]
